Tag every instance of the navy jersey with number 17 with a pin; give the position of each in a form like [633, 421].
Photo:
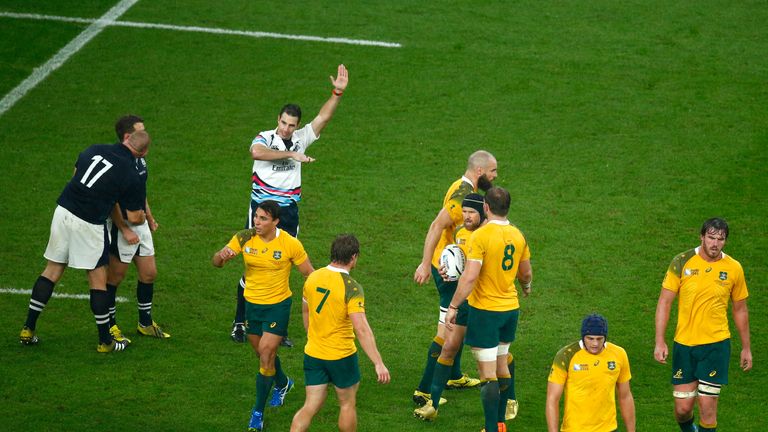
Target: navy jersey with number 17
[104, 174]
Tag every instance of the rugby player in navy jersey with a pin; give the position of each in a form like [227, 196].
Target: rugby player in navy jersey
[133, 243]
[104, 174]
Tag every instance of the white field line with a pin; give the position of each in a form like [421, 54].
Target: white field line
[57, 295]
[248, 33]
[42, 72]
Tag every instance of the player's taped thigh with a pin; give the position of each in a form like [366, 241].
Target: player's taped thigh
[502, 350]
[485, 354]
[709, 389]
[684, 394]
[441, 316]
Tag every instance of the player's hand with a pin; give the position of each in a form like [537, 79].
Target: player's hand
[450, 318]
[226, 254]
[341, 80]
[153, 225]
[443, 273]
[660, 353]
[746, 360]
[301, 157]
[382, 374]
[527, 288]
[131, 237]
[421, 276]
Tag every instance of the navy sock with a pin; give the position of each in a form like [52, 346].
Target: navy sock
[111, 300]
[101, 314]
[41, 293]
[144, 294]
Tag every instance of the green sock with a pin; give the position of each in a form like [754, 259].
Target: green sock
[489, 394]
[687, 426]
[456, 369]
[503, 396]
[429, 369]
[511, 392]
[281, 380]
[439, 380]
[263, 386]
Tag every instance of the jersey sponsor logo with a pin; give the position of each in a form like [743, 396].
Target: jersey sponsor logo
[678, 374]
[713, 373]
[580, 367]
[691, 272]
[723, 275]
[611, 365]
[277, 255]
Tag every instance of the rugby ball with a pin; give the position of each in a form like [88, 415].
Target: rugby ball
[452, 259]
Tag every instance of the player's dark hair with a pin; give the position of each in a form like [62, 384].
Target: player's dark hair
[715, 224]
[292, 110]
[272, 208]
[124, 125]
[498, 201]
[344, 248]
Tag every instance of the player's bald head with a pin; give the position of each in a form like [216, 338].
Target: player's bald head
[480, 159]
[139, 141]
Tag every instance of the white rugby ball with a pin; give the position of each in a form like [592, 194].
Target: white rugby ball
[452, 258]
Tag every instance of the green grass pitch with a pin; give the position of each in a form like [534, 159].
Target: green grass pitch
[619, 127]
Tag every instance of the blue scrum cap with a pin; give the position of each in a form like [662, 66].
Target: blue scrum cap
[474, 201]
[594, 325]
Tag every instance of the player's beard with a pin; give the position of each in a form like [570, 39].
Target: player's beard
[483, 183]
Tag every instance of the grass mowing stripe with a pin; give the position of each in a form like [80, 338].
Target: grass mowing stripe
[118, 299]
[41, 73]
[248, 33]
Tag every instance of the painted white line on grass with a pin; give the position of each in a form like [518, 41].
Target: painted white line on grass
[57, 295]
[42, 72]
[248, 33]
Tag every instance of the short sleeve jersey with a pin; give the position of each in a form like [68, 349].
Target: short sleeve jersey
[104, 174]
[461, 238]
[500, 247]
[267, 265]
[703, 290]
[280, 180]
[452, 204]
[590, 385]
[331, 296]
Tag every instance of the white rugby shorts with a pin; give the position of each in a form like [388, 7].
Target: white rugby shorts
[125, 252]
[75, 242]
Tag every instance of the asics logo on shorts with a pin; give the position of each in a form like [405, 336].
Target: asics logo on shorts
[272, 325]
[713, 373]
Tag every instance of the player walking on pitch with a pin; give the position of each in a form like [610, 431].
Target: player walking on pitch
[704, 279]
[498, 254]
[591, 372]
[268, 253]
[334, 312]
